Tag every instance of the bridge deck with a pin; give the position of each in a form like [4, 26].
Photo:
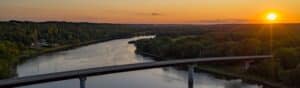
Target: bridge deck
[30, 80]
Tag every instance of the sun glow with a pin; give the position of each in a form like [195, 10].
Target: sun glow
[271, 16]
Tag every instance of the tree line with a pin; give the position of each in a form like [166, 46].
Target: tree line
[20, 39]
[25, 38]
[237, 40]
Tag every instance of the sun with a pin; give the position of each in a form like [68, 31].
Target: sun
[271, 16]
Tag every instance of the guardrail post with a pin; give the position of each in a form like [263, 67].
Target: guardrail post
[191, 76]
[82, 82]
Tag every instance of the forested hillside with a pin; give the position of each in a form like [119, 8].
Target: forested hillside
[20, 40]
[237, 40]
[25, 39]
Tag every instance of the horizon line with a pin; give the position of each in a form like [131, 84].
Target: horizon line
[61, 21]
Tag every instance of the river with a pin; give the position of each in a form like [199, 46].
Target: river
[116, 52]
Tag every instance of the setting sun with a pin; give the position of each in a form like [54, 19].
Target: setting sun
[272, 16]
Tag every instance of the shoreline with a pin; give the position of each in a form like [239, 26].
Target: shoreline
[215, 72]
[65, 47]
[25, 57]
[225, 75]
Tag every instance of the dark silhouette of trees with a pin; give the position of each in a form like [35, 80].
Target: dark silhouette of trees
[237, 40]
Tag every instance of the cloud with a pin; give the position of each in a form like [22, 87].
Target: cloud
[156, 14]
[150, 14]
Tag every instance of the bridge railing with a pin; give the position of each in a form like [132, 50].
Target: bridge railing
[84, 73]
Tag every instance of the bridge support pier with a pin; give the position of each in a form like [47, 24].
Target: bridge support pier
[248, 64]
[191, 76]
[82, 82]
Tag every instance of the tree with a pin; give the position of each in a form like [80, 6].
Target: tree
[291, 77]
[8, 53]
[288, 57]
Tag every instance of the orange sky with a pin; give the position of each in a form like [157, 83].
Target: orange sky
[150, 11]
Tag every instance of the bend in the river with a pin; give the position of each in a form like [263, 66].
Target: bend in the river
[116, 52]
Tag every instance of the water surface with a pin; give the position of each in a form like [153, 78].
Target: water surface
[116, 52]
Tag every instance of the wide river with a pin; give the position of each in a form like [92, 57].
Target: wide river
[116, 52]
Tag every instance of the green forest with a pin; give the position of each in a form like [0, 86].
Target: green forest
[21, 40]
[280, 40]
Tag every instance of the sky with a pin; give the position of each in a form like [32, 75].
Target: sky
[150, 11]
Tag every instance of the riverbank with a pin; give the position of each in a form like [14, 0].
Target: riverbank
[23, 57]
[65, 47]
[219, 73]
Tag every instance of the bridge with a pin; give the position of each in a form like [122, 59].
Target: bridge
[84, 73]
